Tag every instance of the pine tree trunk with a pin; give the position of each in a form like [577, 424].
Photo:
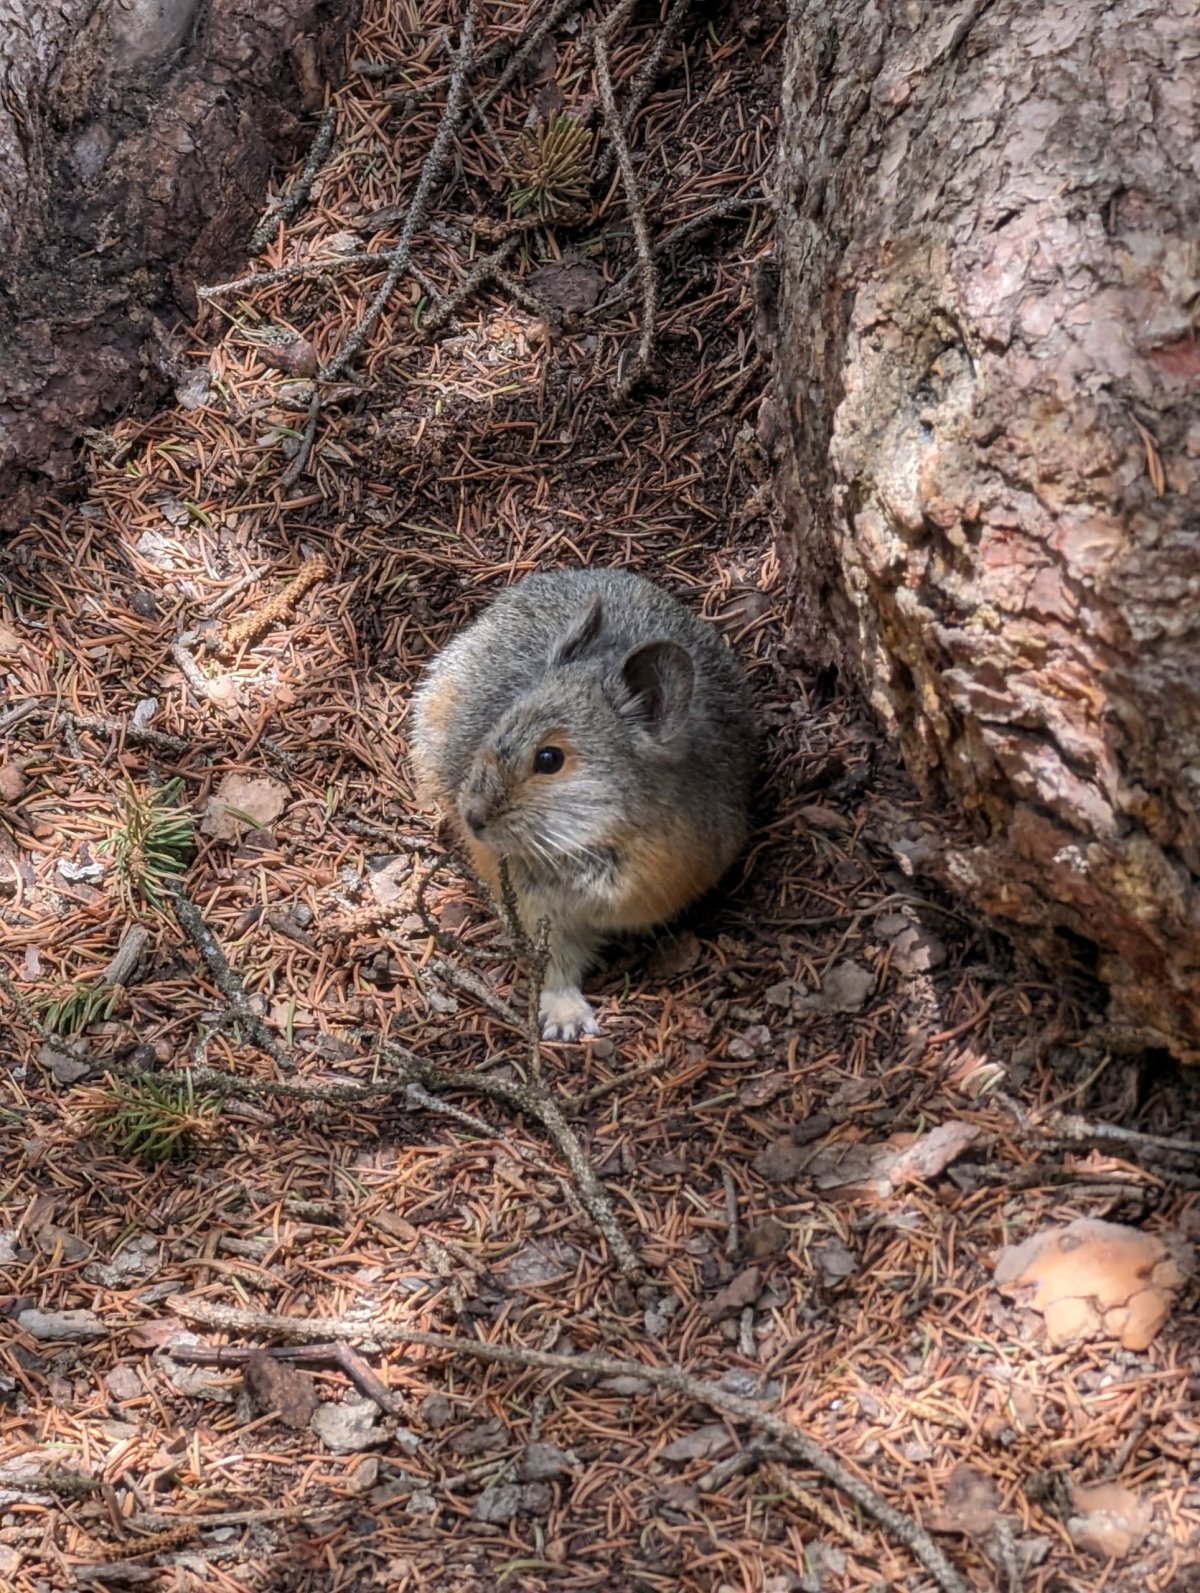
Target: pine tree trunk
[136, 141]
[988, 445]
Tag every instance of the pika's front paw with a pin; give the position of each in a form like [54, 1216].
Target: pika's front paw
[566, 1015]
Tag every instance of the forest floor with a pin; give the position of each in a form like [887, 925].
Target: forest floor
[822, 1107]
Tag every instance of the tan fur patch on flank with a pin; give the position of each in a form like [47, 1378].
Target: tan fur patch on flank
[440, 706]
[664, 871]
[425, 741]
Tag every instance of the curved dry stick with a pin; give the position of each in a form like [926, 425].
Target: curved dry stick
[637, 211]
[798, 1444]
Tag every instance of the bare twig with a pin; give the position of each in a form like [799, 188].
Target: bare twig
[579, 1103]
[557, 13]
[284, 206]
[732, 1235]
[536, 1103]
[798, 1444]
[647, 275]
[480, 274]
[1079, 1130]
[300, 458]
[226, 981]
[645, 76]
[337, 1354]
[444, 941]
[472, 985]
[297, 270]
[398, 258]
[430, 172]
[622, 289]
[95, 724]
[129, 953]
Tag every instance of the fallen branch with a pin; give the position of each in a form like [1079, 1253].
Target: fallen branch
[480, 274]
[95, 724]
[398, 258]
[337, 1354]
[671, 1378]
[536, 1102]
[430, 172]
[285, 206]
[621, 291]
[644, 78]
[647, 276]
[557, 13]
[226, 981]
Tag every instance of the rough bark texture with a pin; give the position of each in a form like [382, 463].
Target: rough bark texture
[988, 443]
[136, 140]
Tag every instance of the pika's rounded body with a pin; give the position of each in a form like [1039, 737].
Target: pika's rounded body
[594, 732]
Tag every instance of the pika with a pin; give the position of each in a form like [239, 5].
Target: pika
[598, 736]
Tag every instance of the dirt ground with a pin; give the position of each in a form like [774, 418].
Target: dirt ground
[761, 1054]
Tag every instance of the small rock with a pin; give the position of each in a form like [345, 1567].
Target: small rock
[51, 1238]
[498, 1506]
[746, 1383]
[1112, 1522]
[62, 1066]
[781, 1162]
[483, 1439]
[847, 987]
[273, 1386]
[79, 873]
[680, 1496]
[743, 1291]
[540, 1263]
[780, 995]
[542, 1463]
[751, 1043]
[834, 1261]
[143, 605]
[297, 358]
[762, 1091]
[349, 1427]
[705, 1443]
[12, 783]
[365, 1475]
[138, 1257]
[52, 1325]
[767, 1238]
[658, 1315]
[436, 1411]
[123, 1382]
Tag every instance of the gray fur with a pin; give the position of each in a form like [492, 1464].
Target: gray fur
[656, 710]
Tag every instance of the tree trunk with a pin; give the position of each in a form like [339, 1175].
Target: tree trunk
[136, 139]
[988, 450]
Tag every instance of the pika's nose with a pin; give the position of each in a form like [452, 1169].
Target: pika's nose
[475, 815]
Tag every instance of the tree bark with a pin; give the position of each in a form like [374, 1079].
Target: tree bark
[988, 445]
[136, 140]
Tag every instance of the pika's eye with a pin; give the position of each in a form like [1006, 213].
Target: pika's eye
[549, 760]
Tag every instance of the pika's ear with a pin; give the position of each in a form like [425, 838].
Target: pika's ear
[657, 679]
[580, 633]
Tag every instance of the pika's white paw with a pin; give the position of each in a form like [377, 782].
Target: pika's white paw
[566, 1015]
